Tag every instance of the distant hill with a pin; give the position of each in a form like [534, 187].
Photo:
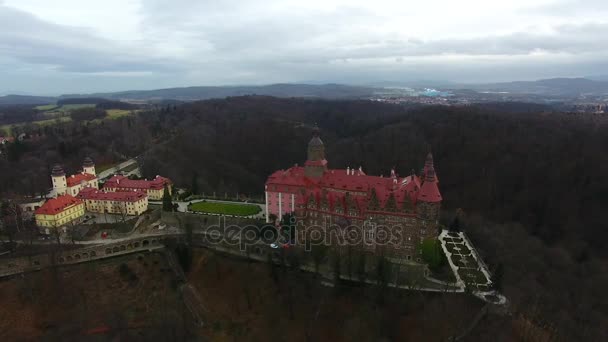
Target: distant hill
[552, 86]
[597, 78]
[26, 100]
[561, 87]
[81, 100]
[327, 91]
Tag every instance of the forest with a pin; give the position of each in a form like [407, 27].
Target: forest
[532, 184]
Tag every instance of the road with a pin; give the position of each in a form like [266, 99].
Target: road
[111, 171]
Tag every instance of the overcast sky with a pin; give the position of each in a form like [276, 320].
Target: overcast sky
[80, 46]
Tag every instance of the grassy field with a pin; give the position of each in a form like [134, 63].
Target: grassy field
[66, 109]
[69, 107]
[6, 129]
[117, 113]
[52, 121]
[236, 209]
[57, 114]
[46, 107]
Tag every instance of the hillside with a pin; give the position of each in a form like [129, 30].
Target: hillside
[203, 93]
[126, 298]
[532, 185]
[26, 100]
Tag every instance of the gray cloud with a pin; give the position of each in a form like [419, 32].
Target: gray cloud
[188, 42]
[29, 39]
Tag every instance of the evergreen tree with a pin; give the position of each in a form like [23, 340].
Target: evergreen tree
[167, 203]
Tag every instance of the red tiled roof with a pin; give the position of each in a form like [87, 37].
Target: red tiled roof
[120, 196]
[291, 177]
[57, 205]
[79, 178]
[429, 192]
[122, 182]
[336, 182]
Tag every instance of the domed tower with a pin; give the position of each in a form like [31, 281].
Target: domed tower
[60, 184]
[429, 198]
[316, 164]
[88, 166]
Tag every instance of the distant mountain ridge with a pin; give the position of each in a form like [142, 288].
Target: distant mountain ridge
[551, 86]
[562, 87]
[210, 92]
[26, 100]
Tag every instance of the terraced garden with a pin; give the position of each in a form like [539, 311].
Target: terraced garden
[468, 268]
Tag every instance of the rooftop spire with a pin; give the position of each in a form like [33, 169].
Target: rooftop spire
[316, 140]
[57, 171]
[316, 164]
[315, 130]
[429, 160]
[88, 162]
[429, 192]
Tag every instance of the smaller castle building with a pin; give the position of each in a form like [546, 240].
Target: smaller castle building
[71, 185]
[59, 211]
[155, 188]
[130, 203]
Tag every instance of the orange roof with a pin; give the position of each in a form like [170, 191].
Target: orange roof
[79, 178]
[56, 205]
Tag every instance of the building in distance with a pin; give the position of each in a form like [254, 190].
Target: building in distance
[155, 188]
[134, 202]
[59, 211]
[72, 184]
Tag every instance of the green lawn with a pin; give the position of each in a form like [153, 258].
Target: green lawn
[236, 209]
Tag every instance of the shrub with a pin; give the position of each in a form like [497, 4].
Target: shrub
[432, 253]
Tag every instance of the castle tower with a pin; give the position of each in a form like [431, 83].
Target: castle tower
[60, 185]
[429, 197]
[88, 166]
[316, 164]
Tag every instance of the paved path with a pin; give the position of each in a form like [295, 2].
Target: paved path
[111, 171]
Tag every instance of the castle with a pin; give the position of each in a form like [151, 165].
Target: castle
[72, 185]
[73, 196]
[391, 215]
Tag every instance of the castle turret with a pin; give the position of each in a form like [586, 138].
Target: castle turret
[59, 181]
[88, 166]
[429, 198]
[316, 164]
